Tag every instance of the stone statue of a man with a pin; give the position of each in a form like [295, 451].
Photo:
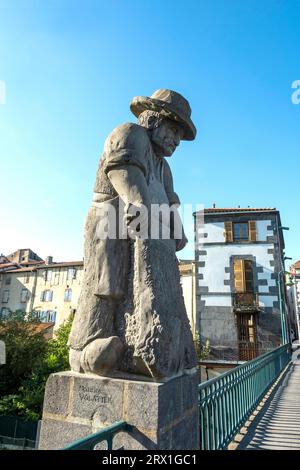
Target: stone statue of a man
[131, 316]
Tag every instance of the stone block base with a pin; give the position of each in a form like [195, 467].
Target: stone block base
[164, 415]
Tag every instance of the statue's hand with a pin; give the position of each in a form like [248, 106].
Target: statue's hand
[136, 220]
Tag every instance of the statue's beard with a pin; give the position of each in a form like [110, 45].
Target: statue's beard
[163, 149]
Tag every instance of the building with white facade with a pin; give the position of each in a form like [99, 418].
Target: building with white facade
[240, 281]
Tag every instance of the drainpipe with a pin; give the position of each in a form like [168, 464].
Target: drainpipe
[280, 284]
[282, 309]
[297, 310]
[194, 298]
[33, 290]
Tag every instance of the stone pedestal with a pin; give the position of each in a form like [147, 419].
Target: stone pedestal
[164, 415]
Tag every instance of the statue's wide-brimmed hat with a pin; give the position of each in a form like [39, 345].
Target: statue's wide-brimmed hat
[171, 105]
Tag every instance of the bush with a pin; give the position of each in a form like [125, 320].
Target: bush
[25, 350]
[25, 393]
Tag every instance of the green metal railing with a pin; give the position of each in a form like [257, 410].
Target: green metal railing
[106, 434]
[226, 401]
[20, 442]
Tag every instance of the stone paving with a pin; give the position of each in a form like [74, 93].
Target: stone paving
[277, 426]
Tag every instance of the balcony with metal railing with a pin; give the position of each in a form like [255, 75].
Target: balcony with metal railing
[245, 302]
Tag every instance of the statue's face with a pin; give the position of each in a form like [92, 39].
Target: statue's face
[166, 137]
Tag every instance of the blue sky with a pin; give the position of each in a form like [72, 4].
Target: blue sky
[70, 70]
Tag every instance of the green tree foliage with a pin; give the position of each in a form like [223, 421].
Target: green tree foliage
[27, 401]
[57, 358]
[25, 350]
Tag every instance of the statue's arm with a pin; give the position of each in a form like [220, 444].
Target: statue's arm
[126, 163]
[130, 183]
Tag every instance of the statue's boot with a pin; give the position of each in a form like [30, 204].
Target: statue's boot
[99, 356]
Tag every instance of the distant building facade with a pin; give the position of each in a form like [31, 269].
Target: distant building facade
[57, 290]
[51, 289]
[24, 255]
[187, 269]
[240, 282]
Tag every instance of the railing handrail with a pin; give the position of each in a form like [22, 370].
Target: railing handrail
[241, 366]
[107, 434]
[226, 401]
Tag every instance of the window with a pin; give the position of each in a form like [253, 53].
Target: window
[51, 316]
[47, 316]
[43, 315]
[46, 296]
[48, 274]
[71, 274]
[56, 278]
[24, 295]
[5, 296]
[240, 231]
[68, 295]
[49, 296]
[4, 312]
[8, 280]
[243, 275]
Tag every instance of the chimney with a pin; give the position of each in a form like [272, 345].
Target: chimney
[214, 205]
[49, 260]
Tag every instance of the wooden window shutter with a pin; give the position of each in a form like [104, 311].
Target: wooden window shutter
[228, 232]
[239, 275]
[248, 268]
[252, 231]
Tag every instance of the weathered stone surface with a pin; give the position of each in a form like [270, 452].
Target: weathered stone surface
[131, 288]
[57, 434]
[171, 401]
[102, 355]
[100, 400]
[57, 394]
[162, 415]
[185, 435]
[189, 386]
[143, 404]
